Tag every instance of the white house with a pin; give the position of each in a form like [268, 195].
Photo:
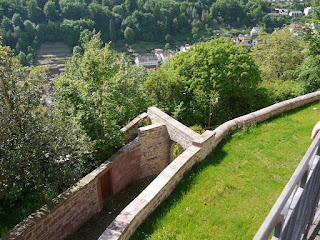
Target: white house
[148, 61]
[295, 14]
[308, 10]
[245, 39]
[282, 11]
[185, 48]
[255, 31]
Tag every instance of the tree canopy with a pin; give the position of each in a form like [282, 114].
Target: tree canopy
[278, 55]
[39, 148]
[218, 71]
[101, 93]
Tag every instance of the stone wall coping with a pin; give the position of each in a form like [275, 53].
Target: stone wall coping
[175, 123]
[134, 122]
[152, 126]
[263, 114]
[208, 134]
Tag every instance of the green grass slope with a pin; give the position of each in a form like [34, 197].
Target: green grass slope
[230, 193]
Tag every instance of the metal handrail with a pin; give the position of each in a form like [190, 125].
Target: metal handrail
[293, 212]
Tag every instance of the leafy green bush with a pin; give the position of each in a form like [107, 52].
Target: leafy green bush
[102, 94]
[279, 90]
[219, 73]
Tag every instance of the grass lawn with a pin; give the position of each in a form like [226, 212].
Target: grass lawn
[230, 193]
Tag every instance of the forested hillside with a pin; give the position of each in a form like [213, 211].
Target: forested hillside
[27, 23]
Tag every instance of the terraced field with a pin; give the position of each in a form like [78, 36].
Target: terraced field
[53, 54]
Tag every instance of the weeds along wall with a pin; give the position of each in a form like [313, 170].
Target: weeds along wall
[136, 212]
[146, 155]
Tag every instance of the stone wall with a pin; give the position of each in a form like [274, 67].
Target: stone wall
[69, 211]
[155, 149]
[176, 130]
[131, 129]
[137, 211]
[127, 167]
[144, 156]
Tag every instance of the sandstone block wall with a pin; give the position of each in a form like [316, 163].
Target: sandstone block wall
[72, 209]
[176, 130]
[131, 129]
[155, 149]
[126, 168]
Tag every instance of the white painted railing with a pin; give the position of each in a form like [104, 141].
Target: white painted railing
[295, 210]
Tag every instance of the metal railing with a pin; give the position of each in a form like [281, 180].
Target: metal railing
[295, 210]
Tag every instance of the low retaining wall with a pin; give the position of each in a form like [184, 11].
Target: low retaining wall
[137, 211]
[74, 207]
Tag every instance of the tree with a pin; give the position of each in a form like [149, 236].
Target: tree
[22, 58]
[71, 30]
[30, 30]
[50, 11]
[130, 5]
[98, 14]
[17, 21]
[278, 55]
[6, 24]
[229, 11]
[39, 148]
[74, 10]
[119, 9]
[93, 90]
[129, 35]
[309, 71]
[35, 13]
[191, 81]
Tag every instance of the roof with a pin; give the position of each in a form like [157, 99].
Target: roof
[166, 54]
[147, 58]
[274, 14]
